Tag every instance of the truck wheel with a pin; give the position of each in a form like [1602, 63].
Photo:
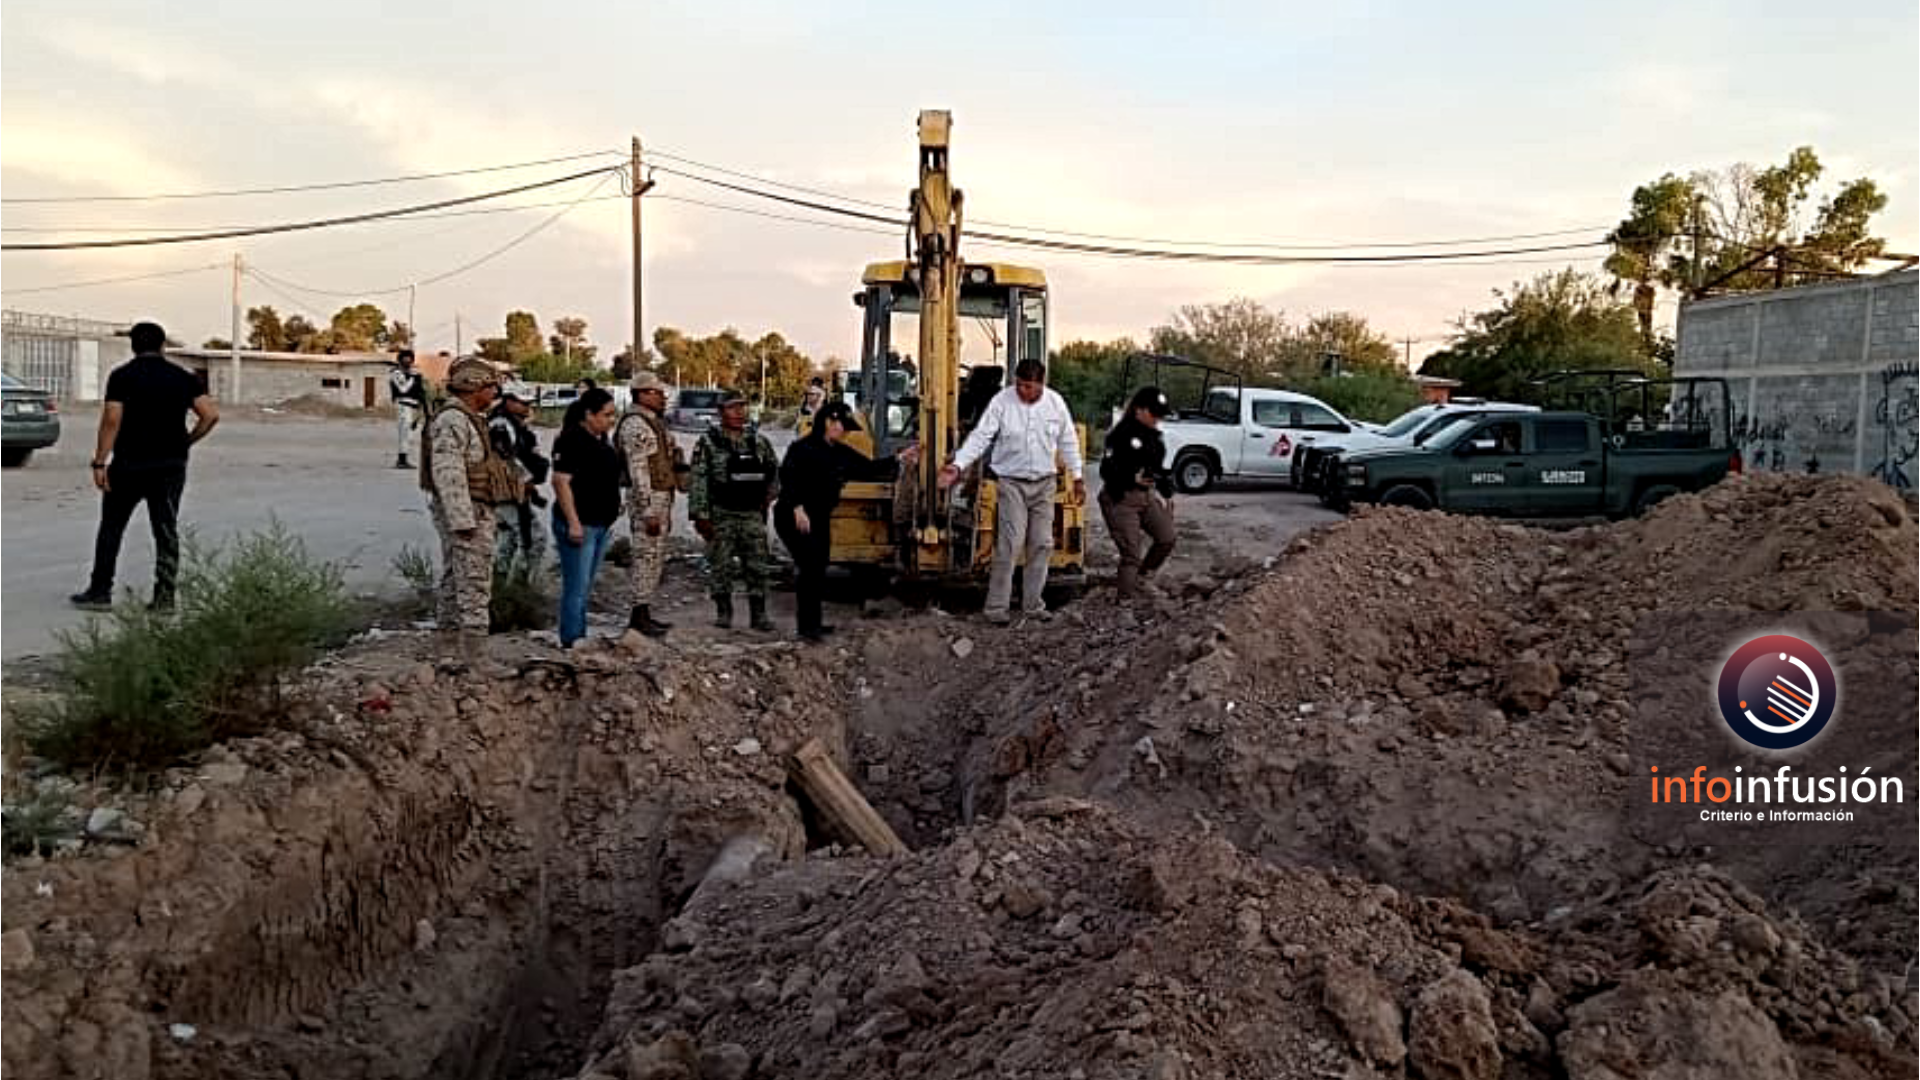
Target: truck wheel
[1651, 497]
[1407, 495]
[1193, 473]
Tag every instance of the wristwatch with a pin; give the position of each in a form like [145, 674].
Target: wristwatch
[99, 464]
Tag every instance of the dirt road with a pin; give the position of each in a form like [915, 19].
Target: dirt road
[331, 482]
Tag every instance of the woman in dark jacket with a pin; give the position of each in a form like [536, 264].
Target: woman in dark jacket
[815, 469]
[1136, 491]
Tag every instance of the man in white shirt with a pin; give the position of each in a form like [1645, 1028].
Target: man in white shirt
[409, 392]
[1026, 435]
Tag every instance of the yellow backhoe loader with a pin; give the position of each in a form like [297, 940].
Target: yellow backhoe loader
[942, 306]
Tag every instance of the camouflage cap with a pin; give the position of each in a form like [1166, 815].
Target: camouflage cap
[732, 397]
[471, 373]
[647, 380]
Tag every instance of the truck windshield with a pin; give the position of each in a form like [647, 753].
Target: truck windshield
[1409, 420]
[1453, 432]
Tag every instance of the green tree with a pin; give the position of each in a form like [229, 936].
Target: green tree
[708, 361]
[545, 367]
[299, 335]
[264, 329]
[1240, 335]
[787, 370]
[523, 338]
[1088, 375]
[361, 328]
[1341, 334]
[1371, 395]
[1560, 320]
[493, 350]
[570, 339]
[1740, 229]
[216, 343]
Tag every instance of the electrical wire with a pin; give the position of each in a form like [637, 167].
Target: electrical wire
[329, 186]
[265, 277]
[117, 280]
[297, 226]
[1236, 258]
[1249, 245]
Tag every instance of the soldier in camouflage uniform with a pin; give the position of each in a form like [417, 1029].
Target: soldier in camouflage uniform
[654, 469]
[735, 479]
[464, 479]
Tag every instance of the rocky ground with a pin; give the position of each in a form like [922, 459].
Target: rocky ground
[1356, 813]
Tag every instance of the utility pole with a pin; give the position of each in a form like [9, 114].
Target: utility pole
[413, 328]
[456, 335]
[1409, 354]
[640, 187]
[234, 348]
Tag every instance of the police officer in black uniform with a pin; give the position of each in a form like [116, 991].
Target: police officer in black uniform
[1136, 490]
[816, 467]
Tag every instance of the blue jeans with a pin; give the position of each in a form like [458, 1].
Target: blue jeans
[579, 565]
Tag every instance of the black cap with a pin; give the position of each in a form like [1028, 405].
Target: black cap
[1151, 399]
[836, 410]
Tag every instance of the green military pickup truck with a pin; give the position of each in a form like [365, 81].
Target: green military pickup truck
[1543, 465]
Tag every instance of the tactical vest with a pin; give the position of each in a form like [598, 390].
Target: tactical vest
[666, 467]
[745, 477]
[491, 481]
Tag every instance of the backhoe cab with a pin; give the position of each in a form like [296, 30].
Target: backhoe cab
[939, 338]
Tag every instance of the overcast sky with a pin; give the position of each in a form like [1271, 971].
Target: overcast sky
[1329, 123]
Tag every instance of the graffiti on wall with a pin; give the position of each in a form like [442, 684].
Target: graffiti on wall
[1787, 438]
[1898, 415]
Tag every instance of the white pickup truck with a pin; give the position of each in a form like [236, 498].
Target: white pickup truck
[1253, 433]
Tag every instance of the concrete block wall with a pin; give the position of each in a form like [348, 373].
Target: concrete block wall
[1822, 376]
[272, 382]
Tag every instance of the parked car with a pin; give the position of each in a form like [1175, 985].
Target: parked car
[1252, 432]
[1411, 428]
[1542, 464]
[29, 421]
[694, 410]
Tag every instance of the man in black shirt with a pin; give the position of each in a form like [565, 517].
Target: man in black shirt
[141, 457]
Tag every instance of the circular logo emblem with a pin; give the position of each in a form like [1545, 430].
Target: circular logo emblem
[1777, 692]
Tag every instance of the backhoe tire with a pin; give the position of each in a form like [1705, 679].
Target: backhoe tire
[1193, 474]
[1652, 497]
[1411, 496]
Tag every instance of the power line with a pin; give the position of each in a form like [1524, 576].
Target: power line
[1237, 258]
[117, 280]
[265, 277]
[1249, 245]
[329, 186]
[297, 226]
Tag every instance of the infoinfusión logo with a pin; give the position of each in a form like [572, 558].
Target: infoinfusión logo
[1777, 692]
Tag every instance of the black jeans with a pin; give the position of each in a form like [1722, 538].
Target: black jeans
[160, 489]
[810, 552]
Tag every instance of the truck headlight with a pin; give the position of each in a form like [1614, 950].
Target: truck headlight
[1357, 475]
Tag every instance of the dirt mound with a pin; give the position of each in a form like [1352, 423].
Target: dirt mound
[1062, 941]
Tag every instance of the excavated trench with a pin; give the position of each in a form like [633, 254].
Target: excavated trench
[538, 900]
[452, 881]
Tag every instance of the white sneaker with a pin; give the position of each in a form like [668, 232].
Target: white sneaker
[997, 618]
[1037, 615]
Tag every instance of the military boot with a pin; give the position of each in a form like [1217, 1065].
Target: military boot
[723, 612]
[757, 613]
[642, 620]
